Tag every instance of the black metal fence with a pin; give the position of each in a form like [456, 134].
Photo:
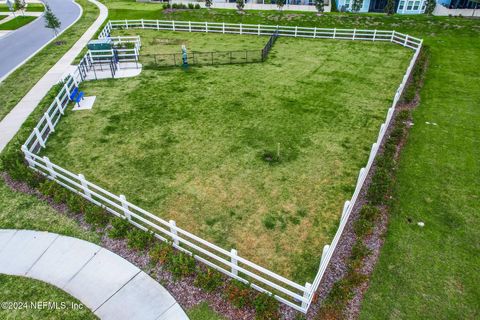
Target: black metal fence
[195, 58]
[153, 61]
[269, 45]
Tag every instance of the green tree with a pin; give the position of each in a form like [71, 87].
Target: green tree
[208, 3]
[19, 5]
[51, 20]
[430, 6]
[280, 4]
[357, 5]
[390, 7]
[240, 5]
[320, 5]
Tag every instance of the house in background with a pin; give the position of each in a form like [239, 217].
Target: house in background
[402, 6]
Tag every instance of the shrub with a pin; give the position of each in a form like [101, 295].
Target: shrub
[139, 239]
[238, 293]
[180, 264]
[359, 252]
[370, 213]
[191, 6]
[120, 228]
[74, 202]
[96, 216]
[197, 6]
[266, 307]
[175, 6]
[208, 279]
[363, 227]
[161, 252]
[14, 163]
[379, 187]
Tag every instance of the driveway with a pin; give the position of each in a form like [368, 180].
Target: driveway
[22, 43]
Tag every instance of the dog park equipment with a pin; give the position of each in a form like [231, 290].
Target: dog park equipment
[184, 56]
[76, 96]
[100, 44]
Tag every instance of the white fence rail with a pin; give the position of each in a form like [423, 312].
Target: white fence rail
[230, 263]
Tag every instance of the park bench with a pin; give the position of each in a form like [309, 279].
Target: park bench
[76, 96]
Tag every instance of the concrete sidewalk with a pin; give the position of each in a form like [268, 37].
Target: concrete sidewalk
[12, 122]
[104, 282]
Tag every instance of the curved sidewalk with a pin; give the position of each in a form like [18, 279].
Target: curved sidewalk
[19, 45]
[104, 282]
[17, 116]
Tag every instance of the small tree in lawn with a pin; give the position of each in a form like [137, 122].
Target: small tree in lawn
[19, 5]
[390, 7]
[357, 5]
[320, 5]
[280, 4]
[51, 20]
[208, 3]
[240, 5]
[430, 6]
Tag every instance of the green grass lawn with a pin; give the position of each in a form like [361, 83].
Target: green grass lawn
[428, 279]
[24, 78]
[17, 22]
[25, 290]
[4, 8]
[193, 146]
[35, 7]
[203, 311]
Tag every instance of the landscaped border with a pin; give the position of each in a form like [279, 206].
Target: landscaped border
[288, 292]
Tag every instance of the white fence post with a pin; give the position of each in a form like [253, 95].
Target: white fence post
[49, 166]
[143, 25]
[173, 25]
[360, 177]
[158, 26]
[126, 24]
[345, 209]
[126, 211]
[59, 105]
[189, 26]
[29, 159]
[173, 231]
[233, 259]
[258, 30]
[86, 191]
[223, 27]
[375, 35]
[406, 41]
[334, 32]
[393, 34]
[296, 28]
[324, 253]
[49, 122]
[39, 137]
[306, 294]
[315, 32]
[206, 26]
[241, 28]
[354, 33]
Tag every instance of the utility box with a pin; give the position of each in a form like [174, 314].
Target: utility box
[100, 44]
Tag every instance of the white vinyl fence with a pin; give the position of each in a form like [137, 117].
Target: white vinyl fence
[230, 263]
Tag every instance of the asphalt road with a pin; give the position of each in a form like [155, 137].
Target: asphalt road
[22, 43]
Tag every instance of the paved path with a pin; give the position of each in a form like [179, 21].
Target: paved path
[19, 45]
[107, 284]
[17, 116]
